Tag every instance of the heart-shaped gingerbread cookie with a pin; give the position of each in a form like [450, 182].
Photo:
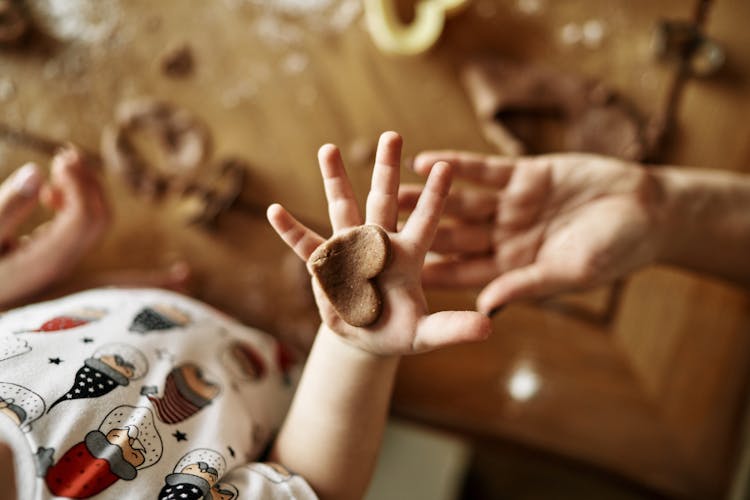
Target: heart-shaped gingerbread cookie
[345, 267]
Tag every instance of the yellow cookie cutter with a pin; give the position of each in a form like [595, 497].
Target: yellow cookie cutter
[394, 37]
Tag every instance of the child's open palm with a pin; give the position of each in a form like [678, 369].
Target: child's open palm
[404, 326]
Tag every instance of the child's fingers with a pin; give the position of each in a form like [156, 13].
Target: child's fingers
[382, 202]
[450, 327]
[468, 204]
[421, 225]
[75, 189]
[342, 206]
[18, 197]
[490, 171]
[302, 240]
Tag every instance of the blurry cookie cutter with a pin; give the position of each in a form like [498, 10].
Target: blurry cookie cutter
[184, 140]
[392, 36]
[186, 146]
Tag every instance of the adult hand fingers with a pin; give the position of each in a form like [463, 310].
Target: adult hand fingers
[18, 198]
[450, 327]
[534, 281]
[342, 206]
[382, 201]
[463, 239]
[489, 171]
[471, 205]
[296, 235]
[421, 225]
[459, 273]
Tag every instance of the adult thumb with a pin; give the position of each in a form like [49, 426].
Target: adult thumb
[529, 282]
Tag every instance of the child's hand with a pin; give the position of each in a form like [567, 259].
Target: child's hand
[404, 326]
[52, 251]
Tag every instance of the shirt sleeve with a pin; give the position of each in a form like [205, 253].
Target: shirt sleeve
[263, 480]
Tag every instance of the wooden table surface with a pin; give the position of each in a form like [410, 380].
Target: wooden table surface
[654, 391]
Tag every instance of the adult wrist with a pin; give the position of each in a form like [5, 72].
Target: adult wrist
[705, 221]
[667, 210]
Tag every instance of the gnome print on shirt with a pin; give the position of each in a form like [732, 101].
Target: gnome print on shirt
[111, 366]
[159, 317]
[196, 476]
[186, 392]
[126, 441]
[20, 404]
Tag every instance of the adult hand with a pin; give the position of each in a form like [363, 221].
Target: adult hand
[533, 227]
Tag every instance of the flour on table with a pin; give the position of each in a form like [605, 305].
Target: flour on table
[7, 89]
[295, 7]
[77, 20]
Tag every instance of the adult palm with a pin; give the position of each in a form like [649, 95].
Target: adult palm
[528, 228]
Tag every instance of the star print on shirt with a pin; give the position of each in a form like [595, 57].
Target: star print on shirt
[55, 361]
[231, 451]
[180, 436]
[87, 340]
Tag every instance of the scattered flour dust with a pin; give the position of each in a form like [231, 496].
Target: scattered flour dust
[283, 26]
[85, 21]
[332, 16]
[295, 7]
[7, 89]
[591, 34]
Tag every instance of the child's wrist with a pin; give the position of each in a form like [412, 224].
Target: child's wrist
[351, 349]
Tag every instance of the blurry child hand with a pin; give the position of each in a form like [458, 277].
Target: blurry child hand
[81, 217]
[404, 326]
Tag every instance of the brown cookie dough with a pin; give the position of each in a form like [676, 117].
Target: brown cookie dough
[14, 23]
[345, 266]
[595, 118]
[220, 193]
[178, 62]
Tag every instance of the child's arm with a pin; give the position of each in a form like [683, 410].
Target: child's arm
[333, 431]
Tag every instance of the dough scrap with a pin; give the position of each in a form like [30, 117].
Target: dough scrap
[14, 22]
[184, 142]
[178, 62]
[596, 118]
[345, 267]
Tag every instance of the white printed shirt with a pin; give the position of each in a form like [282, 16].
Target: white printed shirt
[122, 393]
